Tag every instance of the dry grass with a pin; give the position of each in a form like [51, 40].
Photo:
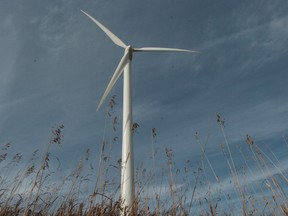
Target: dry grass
[31, 191]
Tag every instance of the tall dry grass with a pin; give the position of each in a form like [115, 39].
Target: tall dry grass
[196, 188]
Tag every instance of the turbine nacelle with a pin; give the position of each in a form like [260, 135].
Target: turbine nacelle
[130, 51]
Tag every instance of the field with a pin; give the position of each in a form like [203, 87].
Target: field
[193, 189]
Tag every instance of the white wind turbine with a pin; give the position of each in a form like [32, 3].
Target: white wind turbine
[127, 171]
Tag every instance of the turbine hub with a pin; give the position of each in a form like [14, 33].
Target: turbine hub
[130, 51]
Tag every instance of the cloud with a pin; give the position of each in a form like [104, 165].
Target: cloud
[253, 176]
[148, 110]
[8, 54]
[18, 101]
[57, 28]
[256, 121]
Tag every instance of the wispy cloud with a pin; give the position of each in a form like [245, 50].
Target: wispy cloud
[57, 27]
[148, 110]
[8, 58]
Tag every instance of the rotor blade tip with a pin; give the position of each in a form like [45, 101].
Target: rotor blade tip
[99, 105]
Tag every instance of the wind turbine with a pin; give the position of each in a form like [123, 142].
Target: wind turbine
[127, 171]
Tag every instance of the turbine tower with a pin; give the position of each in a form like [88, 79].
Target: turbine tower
[127, 171]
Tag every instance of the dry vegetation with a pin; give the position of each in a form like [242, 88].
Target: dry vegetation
[32, 191]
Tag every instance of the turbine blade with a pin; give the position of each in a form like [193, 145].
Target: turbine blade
[116, 75]
[161, 49]
[112, 36]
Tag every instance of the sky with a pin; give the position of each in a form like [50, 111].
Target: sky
[56, 64]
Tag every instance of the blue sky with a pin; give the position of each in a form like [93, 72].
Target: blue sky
[56, 63]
